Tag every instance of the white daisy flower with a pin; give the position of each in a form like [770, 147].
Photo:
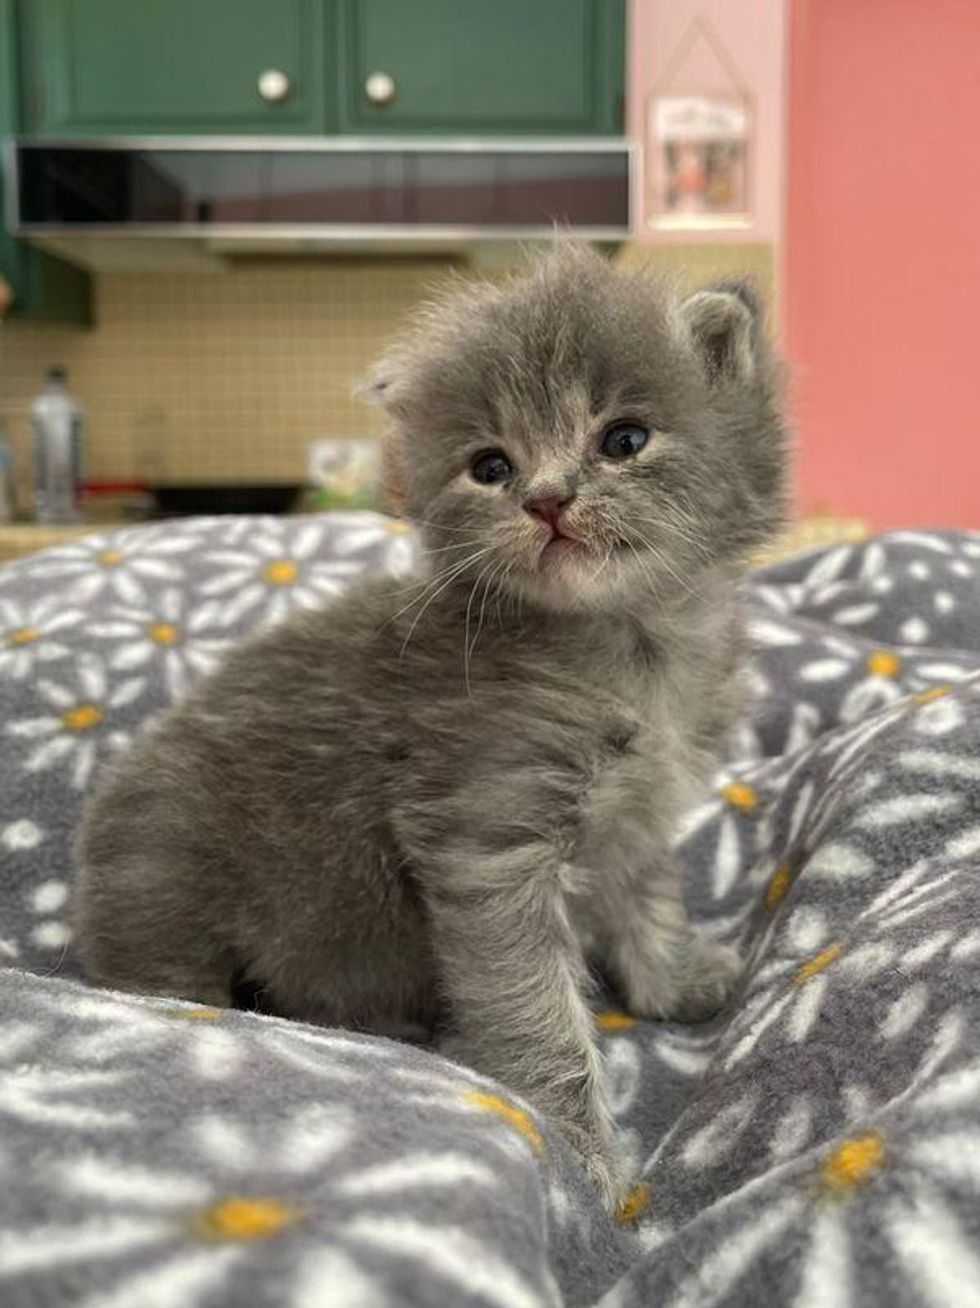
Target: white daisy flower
[732, 802]
[922, 1228]
[361, 531]
[46, 900]
[28, 634]
[829, 567]
[909, 1148]
[78, 723]
[120, 562]
[275, 573]
[230, 1190]
[168, 631]
[794, 989]
[738, 796]
[879, 688]
[888, 677]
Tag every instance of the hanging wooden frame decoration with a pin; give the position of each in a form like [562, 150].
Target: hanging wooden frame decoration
[698, 151]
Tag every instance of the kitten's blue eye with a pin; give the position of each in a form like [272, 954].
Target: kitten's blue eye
[623, 440]
[490, 468]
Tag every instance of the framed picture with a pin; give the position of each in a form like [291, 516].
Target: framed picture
[698, 158]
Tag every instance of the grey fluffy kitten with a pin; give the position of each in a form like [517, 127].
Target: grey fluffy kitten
[462, 796]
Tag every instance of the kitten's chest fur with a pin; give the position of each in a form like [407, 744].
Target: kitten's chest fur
[650, 776]
[656, 691]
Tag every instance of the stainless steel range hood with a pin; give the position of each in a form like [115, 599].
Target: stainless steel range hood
[160, 201]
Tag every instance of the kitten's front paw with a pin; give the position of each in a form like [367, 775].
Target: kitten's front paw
[596, 1144]
[608, 1178]
[710, 971]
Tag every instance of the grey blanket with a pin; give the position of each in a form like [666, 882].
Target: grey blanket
[818, 1144]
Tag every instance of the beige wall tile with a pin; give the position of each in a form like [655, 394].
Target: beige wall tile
[226, 376]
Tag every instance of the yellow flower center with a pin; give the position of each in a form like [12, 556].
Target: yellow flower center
[934, 692]
[634, 1203]
[22, 635]
[236, 1218]
[109, 558]
[511, 1114]
[883, 663]
[195, 1014]
[817, 963]
[83, 717]
[853, 1161]
[397, 527]
[739, 795]
[613, 1021]
[779, 883]
[164, 633]
[280, 572]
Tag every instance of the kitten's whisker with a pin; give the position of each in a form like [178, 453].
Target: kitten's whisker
[431, 522]
[682, 521]
[595, 576]
[420, 586]
[672, 525]
[483, 603]
[603, 560]
[643, 568]
[613, 531]
[467, 648]
[661, 559]
[457, 545]
[414, 585]
[618, 529]
[455, 572]
[500, 591]
[424, 582]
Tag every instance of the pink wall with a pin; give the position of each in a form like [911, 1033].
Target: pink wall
[752, 33]
[882, 275]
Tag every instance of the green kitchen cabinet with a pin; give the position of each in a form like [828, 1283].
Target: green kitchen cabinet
[74, 68]
[499, 67]
[126, 67]
[45, 289]
[310, 67]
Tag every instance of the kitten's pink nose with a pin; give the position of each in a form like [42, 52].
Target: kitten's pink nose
[549, 508]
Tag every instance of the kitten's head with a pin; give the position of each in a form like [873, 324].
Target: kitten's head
[579, 433]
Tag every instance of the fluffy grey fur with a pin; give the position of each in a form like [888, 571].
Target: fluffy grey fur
[458, 798]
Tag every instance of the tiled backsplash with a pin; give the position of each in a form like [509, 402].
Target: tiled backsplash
[223, 376]
[226, 376]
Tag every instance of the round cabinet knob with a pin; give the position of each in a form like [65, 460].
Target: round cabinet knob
[274, 86]
[380, 88]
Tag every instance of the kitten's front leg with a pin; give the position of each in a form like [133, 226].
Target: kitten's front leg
[515, 979]
[666, 969]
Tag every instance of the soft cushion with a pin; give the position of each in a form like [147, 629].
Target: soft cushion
[818, 1143]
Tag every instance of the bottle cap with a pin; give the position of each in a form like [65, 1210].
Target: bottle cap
[56, 373]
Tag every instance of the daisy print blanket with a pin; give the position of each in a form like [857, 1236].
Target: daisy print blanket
[817, 1144]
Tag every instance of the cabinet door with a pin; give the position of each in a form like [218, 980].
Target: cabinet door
[487, 67]
[117, 67]
[45, 289]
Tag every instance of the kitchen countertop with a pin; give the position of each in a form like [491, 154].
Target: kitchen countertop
[20, 538]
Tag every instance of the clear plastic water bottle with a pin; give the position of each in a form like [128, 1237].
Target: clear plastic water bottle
[57, 417]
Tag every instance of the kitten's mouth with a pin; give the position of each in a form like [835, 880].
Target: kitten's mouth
[562, 543]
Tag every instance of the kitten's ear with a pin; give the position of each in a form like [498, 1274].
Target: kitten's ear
[378, 386]
[724, 322]
[386, 382]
